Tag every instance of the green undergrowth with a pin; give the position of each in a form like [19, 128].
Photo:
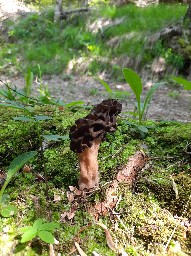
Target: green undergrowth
[84, 43]
[146, 214]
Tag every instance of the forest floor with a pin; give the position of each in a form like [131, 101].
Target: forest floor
[169, 102]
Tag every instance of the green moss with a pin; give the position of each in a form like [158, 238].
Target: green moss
[146, 223]
[146, 215]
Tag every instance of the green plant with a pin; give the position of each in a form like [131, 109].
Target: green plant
[7, 209]
[36, 119]
[135, 83]
[113, 93]
[41, 229]
[174, 95]
[186, 84]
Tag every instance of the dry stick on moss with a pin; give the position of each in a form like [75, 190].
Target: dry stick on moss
[178, 222]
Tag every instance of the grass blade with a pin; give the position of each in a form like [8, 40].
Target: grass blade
[107, 87]
[149, 97]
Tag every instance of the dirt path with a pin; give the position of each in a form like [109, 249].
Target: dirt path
[168, 103]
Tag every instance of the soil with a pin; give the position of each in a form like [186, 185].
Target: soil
[168, 103]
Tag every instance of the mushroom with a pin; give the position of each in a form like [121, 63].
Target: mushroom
[86, 136]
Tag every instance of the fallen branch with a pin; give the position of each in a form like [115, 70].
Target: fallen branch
[130, 171]
[126, 175]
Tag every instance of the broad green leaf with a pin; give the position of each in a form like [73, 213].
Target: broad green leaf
[107, 87]
[23, 118]
[18, 162]
[49, 226]
[24, 229]
[46, 236]
[134, 82]
[182, 81]
[149, 97]
[55, 137]
[15, 165]
[8, 210]
[42, 118]
[142, 128]
[37, 224]
[29, 235]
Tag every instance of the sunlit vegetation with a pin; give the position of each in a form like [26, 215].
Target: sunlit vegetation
[85, 43]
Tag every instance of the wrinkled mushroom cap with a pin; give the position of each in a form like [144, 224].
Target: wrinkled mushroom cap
[95, 125]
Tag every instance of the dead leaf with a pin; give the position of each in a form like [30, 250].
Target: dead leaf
[68, 215]
[81, 252]
[57, 198]
[95, 254]
[109, 238]
[174, 186]
[71, 215]
[78, 192]
[27, 168]
[70, 196]
[72, 189]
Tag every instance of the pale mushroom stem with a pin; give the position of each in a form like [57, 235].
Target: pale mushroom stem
[89, 175]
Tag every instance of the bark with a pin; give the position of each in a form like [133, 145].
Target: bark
[59, 14]
[128, 176]
[58, 11]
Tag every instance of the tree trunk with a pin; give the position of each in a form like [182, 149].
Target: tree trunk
[59, 14]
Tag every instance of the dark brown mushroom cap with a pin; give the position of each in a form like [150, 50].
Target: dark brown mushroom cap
[95, 125]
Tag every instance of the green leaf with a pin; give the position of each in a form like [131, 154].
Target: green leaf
[134, 82]
[23, 118]
[55, 137]
[73, 104]
[12, 104]
[15, 165]
[8, 210]
[5, 199]
[149, 97]
[24, 229]
[182, 81]
[107, 87]
[37, 224]
[46, 236]
[29, 235]
[42, 118]
[18, 162]
[29, 77]
[49, 226]
[142, 128]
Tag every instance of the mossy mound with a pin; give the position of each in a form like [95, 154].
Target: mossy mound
[146, 215]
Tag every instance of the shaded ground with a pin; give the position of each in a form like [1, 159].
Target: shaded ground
[169, 102]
